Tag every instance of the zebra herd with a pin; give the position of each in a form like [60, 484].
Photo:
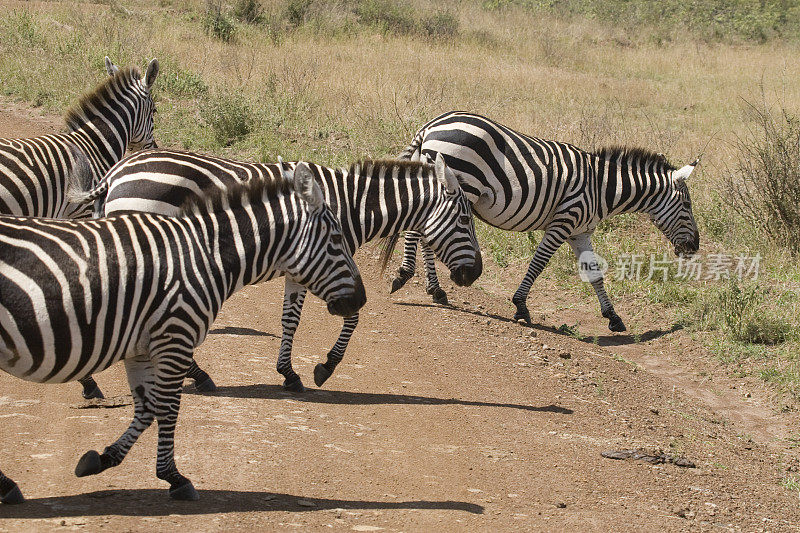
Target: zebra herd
[175, 234]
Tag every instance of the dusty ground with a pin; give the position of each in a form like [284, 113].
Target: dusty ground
[439, 419]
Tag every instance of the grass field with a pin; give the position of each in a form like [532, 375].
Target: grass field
[333, 81]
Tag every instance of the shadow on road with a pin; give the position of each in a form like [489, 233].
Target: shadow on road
[600, 340]
[276, 392]
[235, 330]
[155, 502]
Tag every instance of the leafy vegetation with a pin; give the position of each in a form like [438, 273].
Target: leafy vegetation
[753, 20]
[332, 81]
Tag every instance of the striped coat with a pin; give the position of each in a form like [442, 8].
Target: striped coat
[76, 297]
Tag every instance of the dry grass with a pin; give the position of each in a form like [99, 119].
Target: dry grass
[332, 90]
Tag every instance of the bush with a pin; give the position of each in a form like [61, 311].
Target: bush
[217, 23]
[443, 23]
[386, 15]
[249, 11]
[229, 115]
[178, 82]
[740, 309]
[765, 186]
[296, 11]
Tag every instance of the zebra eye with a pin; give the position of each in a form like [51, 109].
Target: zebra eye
[336, 239]
[464, 220]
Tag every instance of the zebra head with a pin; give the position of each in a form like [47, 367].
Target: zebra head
[450, 231]
[674, 217]
[143, 108]
[320, 260]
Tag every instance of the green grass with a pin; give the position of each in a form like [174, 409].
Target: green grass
[335, 81]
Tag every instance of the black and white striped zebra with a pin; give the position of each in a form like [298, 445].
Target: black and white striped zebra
[521, 183]
[77, 296]
[36, 172]
[373, 199]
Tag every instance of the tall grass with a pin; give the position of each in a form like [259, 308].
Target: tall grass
[332, 81]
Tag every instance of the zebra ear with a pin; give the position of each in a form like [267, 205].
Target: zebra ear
[111, 68]
[684, 172]
[151, 73]
[445, 176]
[415, 157]
[307, 187]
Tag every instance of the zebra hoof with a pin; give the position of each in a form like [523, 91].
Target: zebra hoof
[184, 492]
[207, 385]
[93, 393]
[89, 464]
[401, 279]
[295, 385]
[397, 284]
[439, 296]
[615, 323]
[321, 374]
[13, 496]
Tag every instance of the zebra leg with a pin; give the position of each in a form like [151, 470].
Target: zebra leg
[431, 281]
[141, 380]
[547, 247]
[170, 373]
[9, 491]
[90, 388]
[582, 247]
[294, 295]
[202, 381]
[323, 371]
[409, 264]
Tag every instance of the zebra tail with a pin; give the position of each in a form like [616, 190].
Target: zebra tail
[80, 179]
[413, 149]
[388, 244]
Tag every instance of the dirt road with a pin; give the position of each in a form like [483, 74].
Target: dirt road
[439, 419]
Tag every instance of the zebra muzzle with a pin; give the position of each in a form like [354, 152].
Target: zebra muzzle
[465, 275]
[349, 304]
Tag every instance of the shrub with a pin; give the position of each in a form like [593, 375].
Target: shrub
[765, 186]
[229, 115]
[387, 15]
[443, 23]
[179, 82]
[217, 23]
[249, 11]
[296, 11]
[741, 312]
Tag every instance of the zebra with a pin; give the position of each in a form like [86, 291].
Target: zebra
[373, 199]
[521, 183]
[77, 296]
[36, 172]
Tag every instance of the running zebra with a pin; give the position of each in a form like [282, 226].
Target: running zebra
[373, 199]
[521, 183]
[76, 297]
[35, 173]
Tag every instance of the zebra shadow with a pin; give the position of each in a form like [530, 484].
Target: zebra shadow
[154, 502]
[615, 339]
[237, 330]
[276, 392]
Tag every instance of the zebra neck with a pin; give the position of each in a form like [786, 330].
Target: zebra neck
[238, 247]
[379, 205]
[103, 140]
[629, 188]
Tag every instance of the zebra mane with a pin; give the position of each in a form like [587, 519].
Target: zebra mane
[215, 199]
[75, 117]
[634, 155]
[401, 164]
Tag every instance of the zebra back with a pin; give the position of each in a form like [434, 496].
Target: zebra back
[35, 173]
[76, 296]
